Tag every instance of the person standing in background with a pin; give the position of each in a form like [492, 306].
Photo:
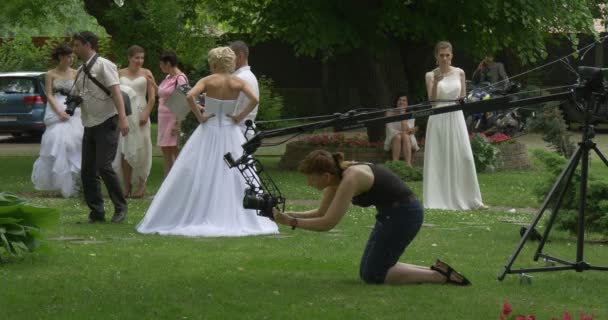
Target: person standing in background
[135, 150]
[243, 71]
[168, 124]
[449, 178]
[103, 117]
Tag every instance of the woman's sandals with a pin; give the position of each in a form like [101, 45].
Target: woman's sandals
[452, 276]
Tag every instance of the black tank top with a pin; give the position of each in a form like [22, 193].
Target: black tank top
[386, 190]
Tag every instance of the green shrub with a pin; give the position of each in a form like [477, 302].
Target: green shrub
[485, 154]
[271, 104]
[596, 210]
[406, 173]
[550, 122]
[20, 54]
[21, 223]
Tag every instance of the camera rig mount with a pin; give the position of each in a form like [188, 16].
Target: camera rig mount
[588, 96]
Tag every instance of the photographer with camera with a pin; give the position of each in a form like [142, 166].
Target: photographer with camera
[398, 219]
[103, 116]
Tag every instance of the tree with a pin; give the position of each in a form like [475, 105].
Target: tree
[45, 18]
[155, 25]
[373, 29]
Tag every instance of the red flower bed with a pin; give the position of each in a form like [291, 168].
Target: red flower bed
[340, 140]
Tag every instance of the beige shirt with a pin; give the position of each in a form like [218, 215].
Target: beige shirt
[97, 106]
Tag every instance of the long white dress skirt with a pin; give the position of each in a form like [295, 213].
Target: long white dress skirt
[58, 165]
[135, 147]
[201, 196]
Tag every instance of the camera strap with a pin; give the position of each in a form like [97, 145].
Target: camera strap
[86, 68]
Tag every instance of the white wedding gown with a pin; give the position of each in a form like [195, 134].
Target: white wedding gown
[58, 165]
[201, 196]
[450, 178]
[136, 147]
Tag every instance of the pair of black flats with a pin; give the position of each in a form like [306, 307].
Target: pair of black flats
[447, 271]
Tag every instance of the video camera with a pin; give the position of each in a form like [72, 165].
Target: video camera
[262, 193]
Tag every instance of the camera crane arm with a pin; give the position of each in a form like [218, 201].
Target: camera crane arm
[264, 195]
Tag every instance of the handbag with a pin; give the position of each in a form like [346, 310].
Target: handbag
[177, 101]
[125, 97]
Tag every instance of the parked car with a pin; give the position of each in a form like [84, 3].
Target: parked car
[22, 103]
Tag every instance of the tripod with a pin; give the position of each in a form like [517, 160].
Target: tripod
[581, 155]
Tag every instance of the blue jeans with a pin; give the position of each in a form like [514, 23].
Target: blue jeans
[395, 228]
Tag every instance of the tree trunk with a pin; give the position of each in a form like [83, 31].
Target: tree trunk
[382, 76]
[98, 8]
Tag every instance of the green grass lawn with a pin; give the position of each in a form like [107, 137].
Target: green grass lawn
[107, 271]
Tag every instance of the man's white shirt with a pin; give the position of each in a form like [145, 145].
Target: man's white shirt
[246, 75]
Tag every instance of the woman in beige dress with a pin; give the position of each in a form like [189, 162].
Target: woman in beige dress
[135, 149]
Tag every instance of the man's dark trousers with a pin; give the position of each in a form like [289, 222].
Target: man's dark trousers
[99, 145]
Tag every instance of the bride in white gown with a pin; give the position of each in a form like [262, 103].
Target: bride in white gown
[450, 178]
[58, 165]
[201, 196]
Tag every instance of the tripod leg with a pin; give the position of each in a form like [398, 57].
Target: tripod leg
[599, 154]
[580, 228]
[573, 162]
[570, 169]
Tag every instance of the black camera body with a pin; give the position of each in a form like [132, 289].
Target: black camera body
[263, 203]
[72, 102]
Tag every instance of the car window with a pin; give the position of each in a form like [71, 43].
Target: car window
[17, 85]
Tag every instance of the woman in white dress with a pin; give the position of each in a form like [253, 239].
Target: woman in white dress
[201, 196]
[134, 158]
[58, 165]
[450, 178]
[400, 136]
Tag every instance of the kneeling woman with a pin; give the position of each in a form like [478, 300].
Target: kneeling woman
[398, 220]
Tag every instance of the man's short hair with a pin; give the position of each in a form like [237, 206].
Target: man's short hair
[87, 37]
[240, 46]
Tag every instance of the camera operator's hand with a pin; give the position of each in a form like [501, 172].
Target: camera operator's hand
[280, 217]
[123, 124]
[64, 116]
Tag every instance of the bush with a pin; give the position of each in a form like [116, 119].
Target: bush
[485, 154]
[20, 53]
[406, 173]
[271, 104]
[596, 210]
[338, 140]
[20, 224]
[550, 122]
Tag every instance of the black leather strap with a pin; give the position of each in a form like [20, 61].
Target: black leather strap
[86, 68]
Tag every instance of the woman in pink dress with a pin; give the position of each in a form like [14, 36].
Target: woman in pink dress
[168, 124]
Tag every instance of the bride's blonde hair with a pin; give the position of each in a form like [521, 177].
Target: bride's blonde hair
[221, 59]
